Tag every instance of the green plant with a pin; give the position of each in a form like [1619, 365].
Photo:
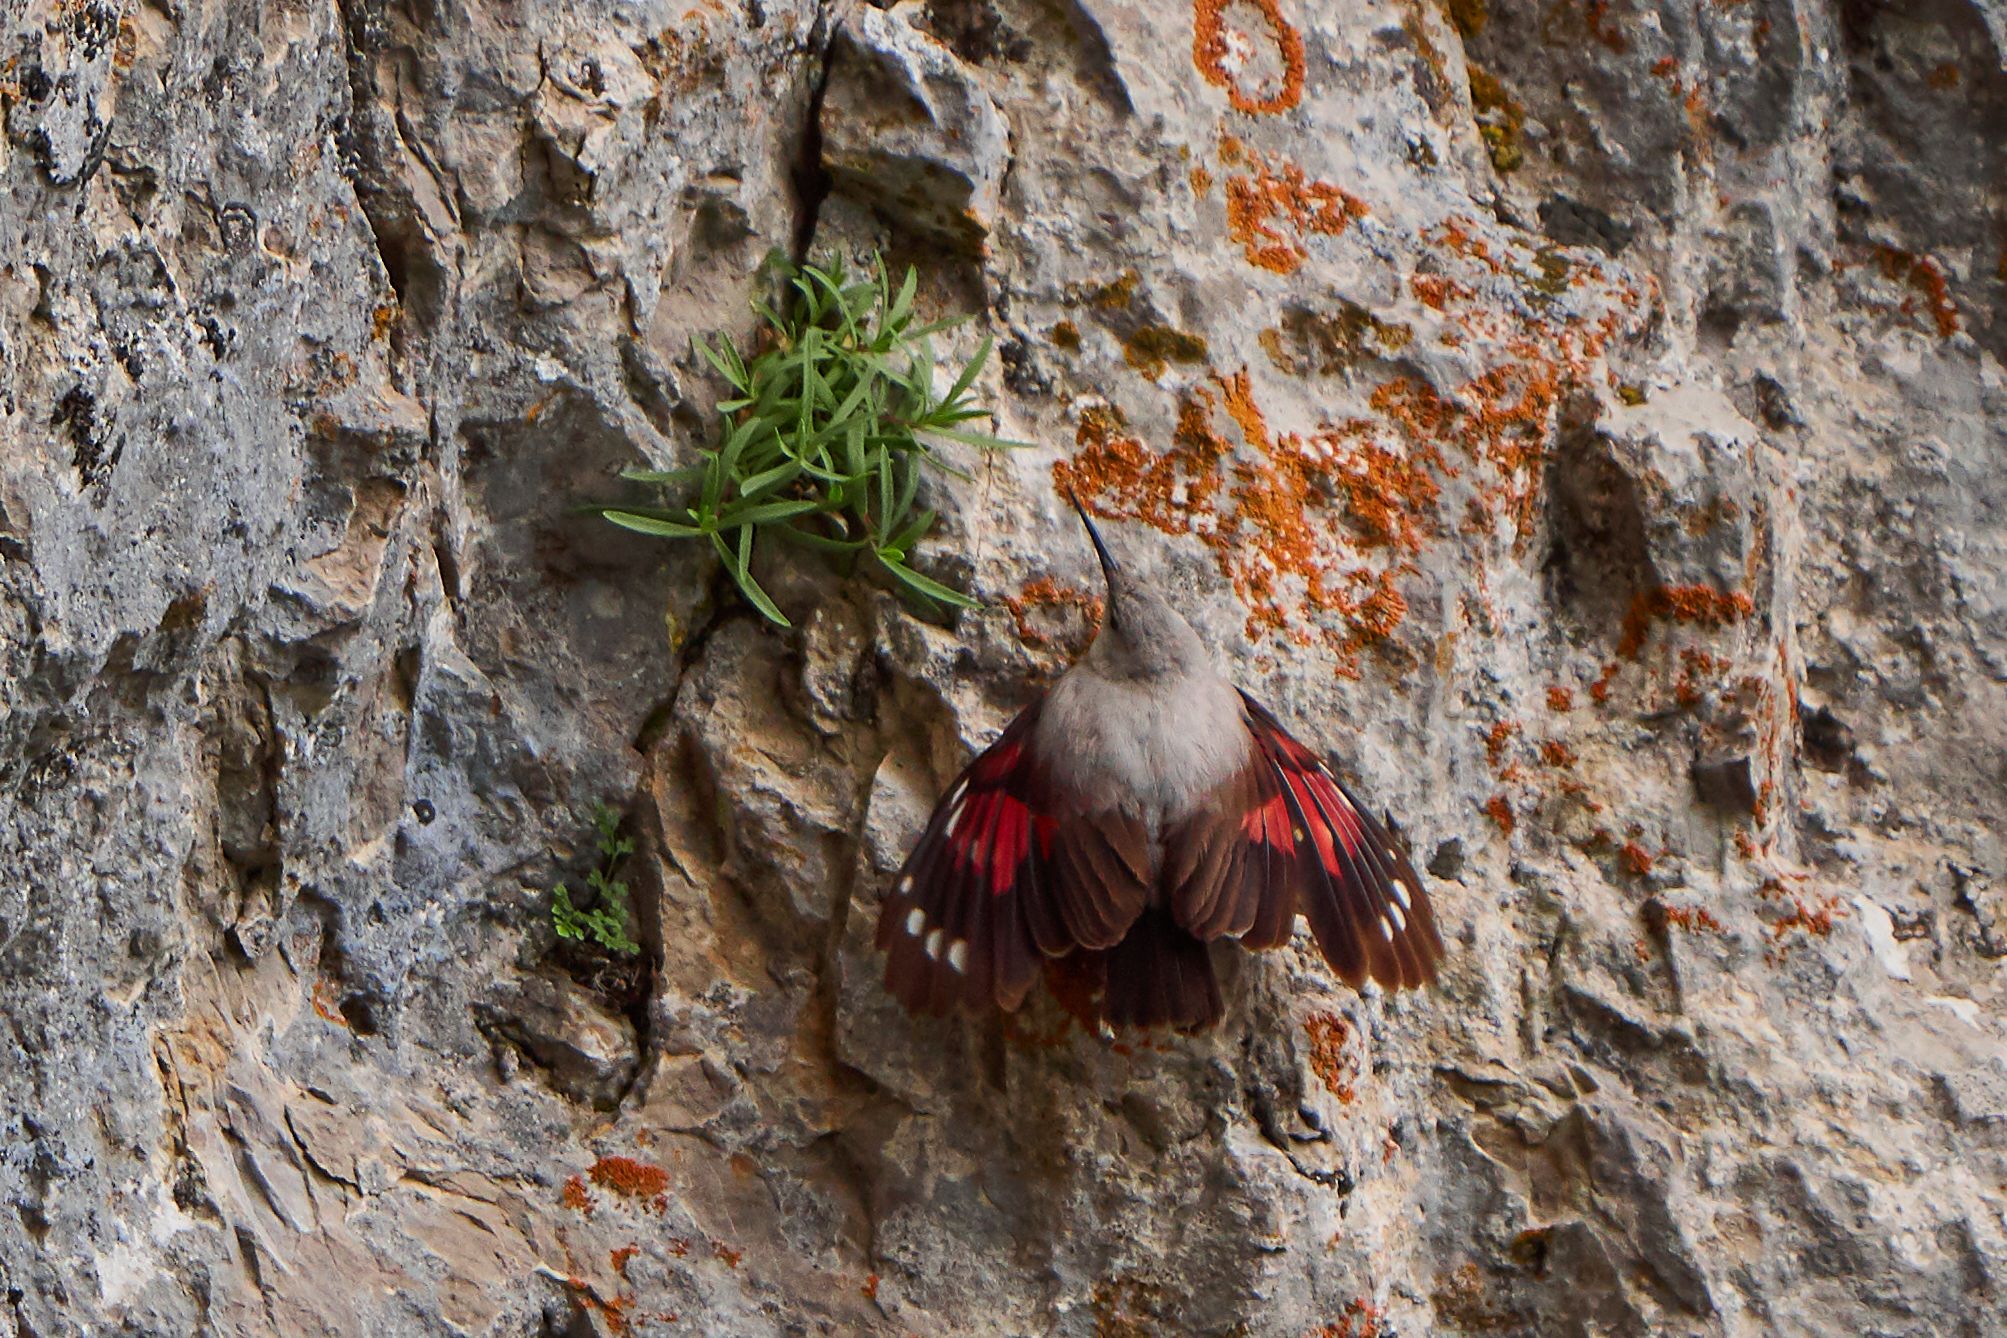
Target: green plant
[823, 440]
[606, 922]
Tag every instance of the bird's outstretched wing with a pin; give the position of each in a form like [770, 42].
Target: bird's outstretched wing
[1283, 836]
[1003, 877]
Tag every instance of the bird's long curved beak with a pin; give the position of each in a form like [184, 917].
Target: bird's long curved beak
[1100, 549]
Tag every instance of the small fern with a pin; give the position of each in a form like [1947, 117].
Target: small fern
[822, 443]
[606, 923]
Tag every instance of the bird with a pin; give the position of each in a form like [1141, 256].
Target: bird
[1141, 809]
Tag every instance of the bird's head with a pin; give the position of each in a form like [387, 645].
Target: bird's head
[1142, 636]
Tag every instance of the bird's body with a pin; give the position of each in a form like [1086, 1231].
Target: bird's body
[1143, 808]
[1155, 748]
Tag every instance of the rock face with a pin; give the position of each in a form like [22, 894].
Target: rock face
[1586, 421]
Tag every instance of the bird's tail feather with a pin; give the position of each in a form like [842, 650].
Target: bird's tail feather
[1159, 976]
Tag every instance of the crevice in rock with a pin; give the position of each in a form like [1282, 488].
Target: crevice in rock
[810, 178]
[723, 608]
[413, 274]
[1597, 561]
[15, 1296]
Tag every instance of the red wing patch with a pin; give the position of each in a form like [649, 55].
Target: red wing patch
[999, 881]
[1331, 859]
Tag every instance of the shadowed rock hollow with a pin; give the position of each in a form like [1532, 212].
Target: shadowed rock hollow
[1584, 421]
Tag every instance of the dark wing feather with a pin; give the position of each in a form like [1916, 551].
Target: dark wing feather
[1299, 841]
[955, 927]
[1364, 901]
[1003, 877]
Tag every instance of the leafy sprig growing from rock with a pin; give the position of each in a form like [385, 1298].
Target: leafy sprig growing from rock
[822, 443]
[606, 923]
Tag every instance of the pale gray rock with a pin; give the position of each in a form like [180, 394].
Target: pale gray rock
[1583, 422]
[908, 131]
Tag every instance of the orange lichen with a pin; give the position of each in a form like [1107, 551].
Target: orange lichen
[1328, 1059]
[1202, 182]
[620, 1257]
[628, 1177]
[1393, 496]
[730, 1257]
[1044, 593]
[1923, 274]
[1314, 529]
[1695, 666]
[1693, 604]
[1501, 418]
[1635, 859]
[870, 1287]
[1692, 919]
[1500, 809]
[1496, 741]
[1745, 845]
[1560, 700]
[1211, 48]
[1814, 920]
[1436, 292]
[1609, 34]
[1664, 66]
[1262, 515]
[1360, 1320]
[1268, 195]
[576, 1196]
[1944, 75]
[1599, 691]
[329, 1012]
[614, 1310]
[1557, 754]
[1066, 335]
[1463, 1300]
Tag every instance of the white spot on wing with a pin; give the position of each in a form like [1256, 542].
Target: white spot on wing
[1401, 895]
[1400, 920]
[1386, 929]
[906, 885]
[958, 955]
[916, 920]
[934, 945]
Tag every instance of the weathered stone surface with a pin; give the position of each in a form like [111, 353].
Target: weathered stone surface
[908, 130]
[1585, 421]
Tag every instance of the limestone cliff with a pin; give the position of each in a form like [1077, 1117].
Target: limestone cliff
[1585, 420]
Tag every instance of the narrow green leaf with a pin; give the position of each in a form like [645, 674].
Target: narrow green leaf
[668, 529]
[675, 515]
[927, 586]
[766, 513]
[909, 483]
[687, 475]
[762, 483]
[970, 372]
[903, 304]
[881, 526]
[977, 439]
[915, 532]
